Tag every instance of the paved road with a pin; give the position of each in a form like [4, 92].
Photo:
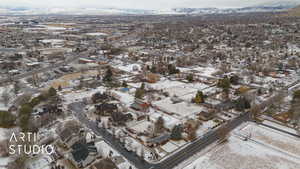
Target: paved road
[78, 110]
[170, 162]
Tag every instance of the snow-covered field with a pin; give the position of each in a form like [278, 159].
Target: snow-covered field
[53, 41]
[164, 84]
[124, 98]
[273, 138]
[96, 34]
[239, 154]
[180, 91]
[79, 95]
[287, 129]
[202, 71]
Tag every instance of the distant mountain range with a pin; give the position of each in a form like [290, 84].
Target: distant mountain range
[264, 7]
[294, 12]
[275, 6]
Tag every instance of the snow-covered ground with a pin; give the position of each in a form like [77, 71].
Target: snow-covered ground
[180, 90]
[206, 127]
[53, 41]
[75, 96]
[202, 71]
[5, 133]
[131, 68]
[124, 98]
[169, 120]
[164, 84]
[182, 109]
[105, 149]
[96, 34]
[4, 161]
[272, 138]
[239, 154]
[41, 162]
[52, 27]
[284, 128]
[142, 126]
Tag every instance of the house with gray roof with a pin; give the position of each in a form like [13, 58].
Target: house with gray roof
[82, 154]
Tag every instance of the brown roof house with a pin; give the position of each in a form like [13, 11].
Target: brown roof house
[69, 135]
[104, 164]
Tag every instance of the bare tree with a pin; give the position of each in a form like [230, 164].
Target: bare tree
[255, 110]
[223, 133]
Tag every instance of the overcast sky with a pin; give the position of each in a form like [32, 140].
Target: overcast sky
[138, 4]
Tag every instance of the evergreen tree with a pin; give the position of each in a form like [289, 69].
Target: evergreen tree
[296, 95]
[108, 75]
[199, 97]
[139, 93]
[172, 69]
[143, 86]
[234, 79]
[177, 132]
[52, 92]
[224, 83]
[7, 119]
[242, 103]
[24, 116]
[190, 78]
[124, 84]
[153, 69]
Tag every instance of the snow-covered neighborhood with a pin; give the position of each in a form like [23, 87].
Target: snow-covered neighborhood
[219, 91]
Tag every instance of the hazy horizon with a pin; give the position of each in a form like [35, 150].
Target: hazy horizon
[136, 4]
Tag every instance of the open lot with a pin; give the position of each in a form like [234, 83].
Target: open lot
[239, 154]
[272, 138]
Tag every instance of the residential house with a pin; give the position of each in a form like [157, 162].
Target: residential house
[68, 136]
[120, 118]
[104, 164]
[106, 109]
[162, 139]
[140, 105]
[82, 154]
[100, 97]
[206, 115]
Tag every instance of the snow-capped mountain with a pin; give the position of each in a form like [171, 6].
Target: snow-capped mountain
[283, 4]
[72, 11]
[274, 6]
